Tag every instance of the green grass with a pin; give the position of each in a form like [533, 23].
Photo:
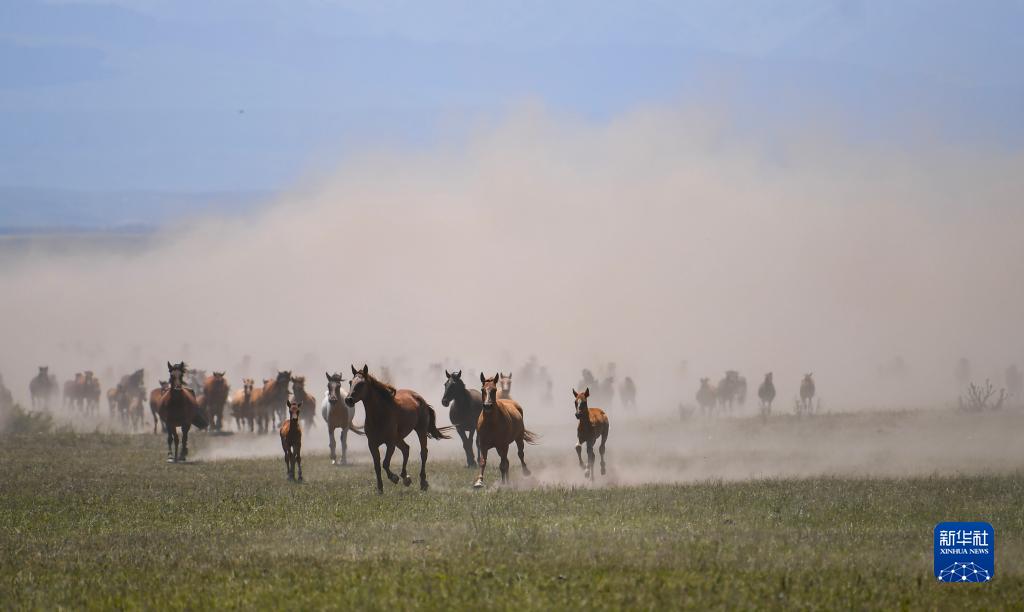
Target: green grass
[99, 521]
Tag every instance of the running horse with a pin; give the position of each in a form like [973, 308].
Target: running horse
[766, 393]
[338, 415]
[266, 400]
[241, 405]
[499, 425]
[504, 386]
[215, 396]
[463, 413]
[154, 403]
[178, 407]
[807, 393]
[593, 424]
[291, 440]
[42, 387]
[306, 399]
[391, 415]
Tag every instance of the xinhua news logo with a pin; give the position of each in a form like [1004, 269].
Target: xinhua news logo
[964, 552]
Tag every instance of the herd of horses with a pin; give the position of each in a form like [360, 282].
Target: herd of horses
[732, 390]
[485, 418]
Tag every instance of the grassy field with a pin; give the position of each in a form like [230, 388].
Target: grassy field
[100, 521]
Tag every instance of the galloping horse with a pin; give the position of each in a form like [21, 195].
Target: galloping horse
[154, 403]
[291, 440]
[504, 386]
[337, 414]
[464, 412]
[42, 387]
[628, 393]
[807, 393]
[593, 424]
[303, 397]
[73, 391]
[266, 400]
[178, 408]
[706, 396]
[241, 405]
[766, 393]
[215, 395]
[499, 425]
[391, 414]
[130, 398]
[91, 393]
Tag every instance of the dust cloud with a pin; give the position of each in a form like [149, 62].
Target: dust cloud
[659, 240]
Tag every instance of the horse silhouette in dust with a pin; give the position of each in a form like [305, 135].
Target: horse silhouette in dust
[807, 394]
[766, 393]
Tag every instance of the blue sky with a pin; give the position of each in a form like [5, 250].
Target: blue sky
[208, 96]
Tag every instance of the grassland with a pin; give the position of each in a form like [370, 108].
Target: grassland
[100, 521]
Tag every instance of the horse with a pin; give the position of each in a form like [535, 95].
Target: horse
[266, 400]
[178, 407]
[391, 415]
[766, 393]
[707, 396]
[129, 398]
[291, 440]
[464, 412]
[504, 386]
[628, 393]
[72, 393]
[338, 415]
[215, 395]
[154, 403]
[728, 389]
[593, 424]
[241, 405]
[500, 424]
[42, 387]
[91, 392]
[806, 393]
[304, 397]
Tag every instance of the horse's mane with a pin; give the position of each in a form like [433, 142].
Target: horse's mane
[376, 382]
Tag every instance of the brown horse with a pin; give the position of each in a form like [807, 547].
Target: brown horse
[593, 424]
[154, 403]
[215, 395]
[74, 391]
[302, 396]
[391, 415]
[338, 415]
[241, 405]
[291, 440]
[178, 408]
[500, 424]
[266, 400]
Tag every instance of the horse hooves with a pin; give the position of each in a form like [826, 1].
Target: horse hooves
[380, 490]
[479, 484]
[423, 485]
[300, 479]
[406, 481]
[526, 472]
[603, 471]
[393, 478]
[171, 460]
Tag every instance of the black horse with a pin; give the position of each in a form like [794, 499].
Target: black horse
[466, 405]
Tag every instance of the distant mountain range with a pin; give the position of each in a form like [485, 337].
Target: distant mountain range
[25, 210]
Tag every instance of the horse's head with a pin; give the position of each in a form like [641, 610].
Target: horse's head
[293, 411]
[488, 390]
[218, 375]
[298, 383]
[283, 377]
[452, 386]
[43, 370]
[334, 387]
[164, 384]
[358, 386]
[705, 382]
[505, 383]
[247, 386]
[176, 375]
[807, 377]
[89, 374]
[580, 400]
[768, 377]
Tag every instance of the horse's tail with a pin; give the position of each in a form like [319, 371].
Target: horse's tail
[432, 429]
[529, 437]
[356, 429]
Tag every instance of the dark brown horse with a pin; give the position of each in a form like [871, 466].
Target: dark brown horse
[499, 425]
[91, 393]
[338, 415]
[178, 408]
[42, 388]
[302, 396]
[463, 413]
[266, 400]
[391, 415]
[593, 424]
[154, 403]
[215, 396]
[291, 440]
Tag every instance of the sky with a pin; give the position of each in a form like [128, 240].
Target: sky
[198, 97]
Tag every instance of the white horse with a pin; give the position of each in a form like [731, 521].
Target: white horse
[338, 415]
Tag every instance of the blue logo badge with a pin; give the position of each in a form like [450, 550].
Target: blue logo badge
[964, 552]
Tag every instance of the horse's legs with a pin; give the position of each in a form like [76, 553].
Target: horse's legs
[521, 444]
[298, 458]
[604, 439]
[375, 453]
[170, 438]
[287, 460]
[404, 447]
[503, 466]
[388, 452]
[590, 459]
[483, 466]
[423, 460]
[579, 451]
[184, 440]
[344, 445]
[330, 438]
[467, 445]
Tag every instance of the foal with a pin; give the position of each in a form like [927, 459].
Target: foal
[291, 441]
[593, 424]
